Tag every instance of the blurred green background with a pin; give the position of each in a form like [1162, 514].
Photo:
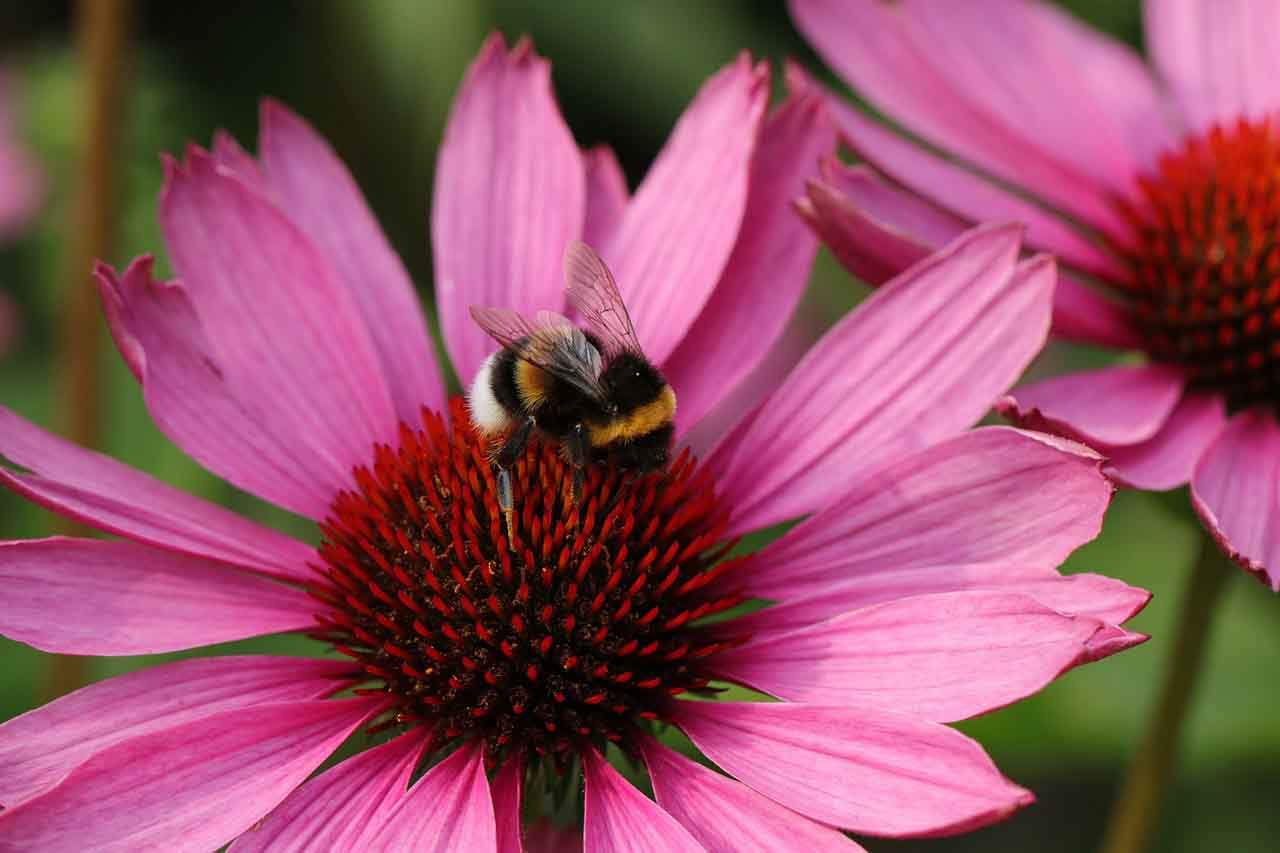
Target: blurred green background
[377, 78]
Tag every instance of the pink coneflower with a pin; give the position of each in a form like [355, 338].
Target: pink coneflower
[1159, 189]
[289, 357]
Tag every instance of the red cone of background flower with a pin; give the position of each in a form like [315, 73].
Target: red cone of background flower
[1163, 190]
[290, 359]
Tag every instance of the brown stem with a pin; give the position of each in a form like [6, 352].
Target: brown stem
[101, 33]
[1135, 814]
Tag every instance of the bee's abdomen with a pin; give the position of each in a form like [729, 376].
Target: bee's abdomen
[491, 400]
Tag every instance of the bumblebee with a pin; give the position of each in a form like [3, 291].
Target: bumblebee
[591, 390]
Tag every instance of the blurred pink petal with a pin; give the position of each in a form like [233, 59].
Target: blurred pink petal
[191, 787]
[932, 69]
[22, 181]
[891, 378]
[1236, 491]
[213, 410]
[99, 491]
[40, 747]
[876, 230]
[507, 789]
[941, 657]
[726, 816]
[767, 272]
[448, 809]
[1168, 458]
[965, 194]
[1219, 59]
[1095, 596]
[619, 819]
[859, 769]
[94, 597]
[1119, 405]
[678, 231]
[607, 195]
[509, 196]
[873, 250]
[342, 808]
[319, 195]
[993, 495]
[228, 153]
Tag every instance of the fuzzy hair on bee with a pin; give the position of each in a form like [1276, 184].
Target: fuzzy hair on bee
[589, 389]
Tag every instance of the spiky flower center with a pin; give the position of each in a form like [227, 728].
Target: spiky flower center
[1207, 261]
[578, 631]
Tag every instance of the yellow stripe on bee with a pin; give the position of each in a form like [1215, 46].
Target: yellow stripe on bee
[642, 421]
[532, 383]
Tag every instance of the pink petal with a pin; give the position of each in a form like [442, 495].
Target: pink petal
[620, 819]
[860, 769]
[920, 360]
[448, 809]
[42, 746]
[1006, 85]
[229, 153]
[94, 597]
[806, 327]
[992, 495]
[191, 787]
[1082, 313]
[1219, 59]
[509, 196]
[877, 230]
[1095, 596]
[940, 657]
[871, 248]
[1119, 405]
[1167, 459]
[508, 801]
[99, 491]
[767, 272]
[191, 396]
[726, 816]
[607, 195]
[318, 193]
[1236, 491]
[963, 193]
[1109, 640]
[678, 231]
[342, 808]
[297, 348]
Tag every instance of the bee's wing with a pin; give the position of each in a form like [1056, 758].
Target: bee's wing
[594, 293]
[551, 343]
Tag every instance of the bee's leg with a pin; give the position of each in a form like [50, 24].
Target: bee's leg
[507, 457]
[576, 449]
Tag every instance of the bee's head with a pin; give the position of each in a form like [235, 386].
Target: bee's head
[631, 382]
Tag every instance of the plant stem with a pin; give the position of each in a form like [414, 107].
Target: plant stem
[1134, 816]
[101, 33]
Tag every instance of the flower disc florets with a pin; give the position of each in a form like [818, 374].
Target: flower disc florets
[577, 632]
[1207, 257]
